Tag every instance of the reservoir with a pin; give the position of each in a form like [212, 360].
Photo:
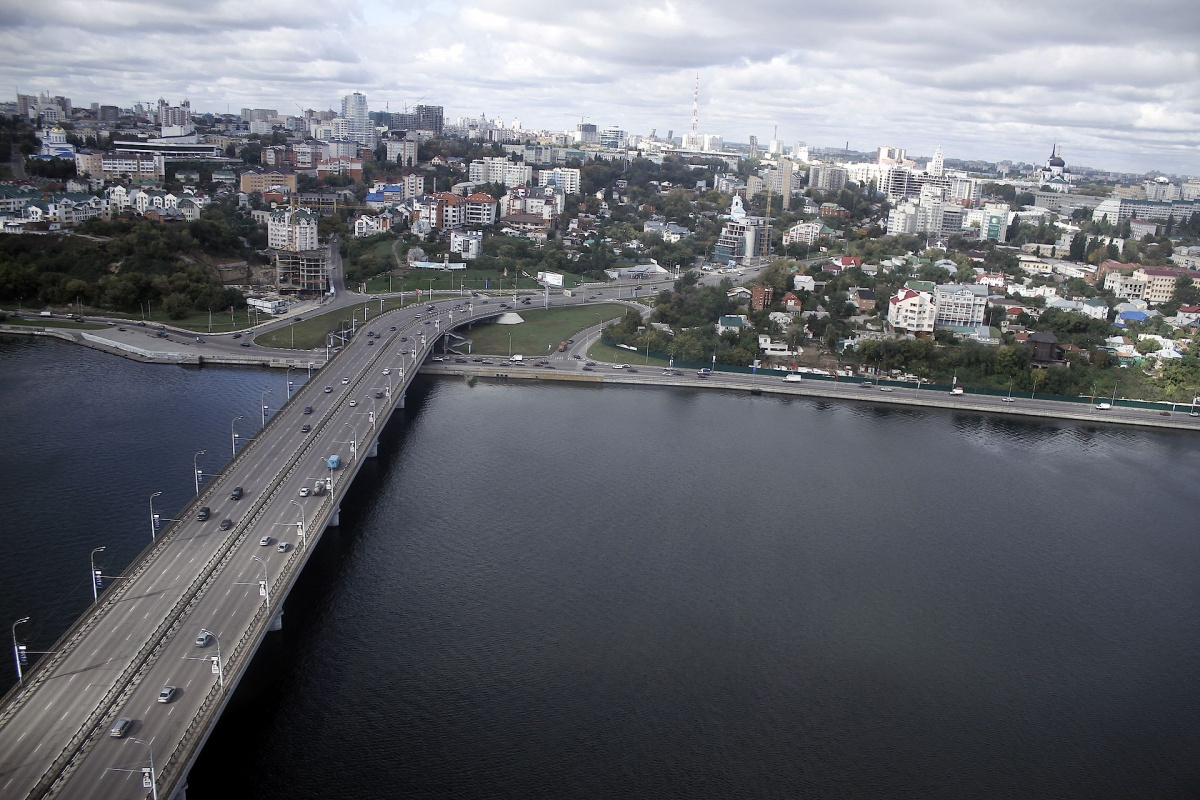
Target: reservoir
[580, 591]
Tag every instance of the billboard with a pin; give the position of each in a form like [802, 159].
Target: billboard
[550, 278]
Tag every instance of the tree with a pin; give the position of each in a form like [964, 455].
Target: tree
[177, 305]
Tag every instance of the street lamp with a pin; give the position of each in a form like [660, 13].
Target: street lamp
[303, 538]
[353, 441]
[264, 585]
[196, 469]
[95, 574]
[288, 378]
[220, 666]
[233, 437]
[262, 402]
[152, 781]
[17, 649]
[153, 519]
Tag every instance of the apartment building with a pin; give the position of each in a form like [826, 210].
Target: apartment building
[499, 170]
[959, 305]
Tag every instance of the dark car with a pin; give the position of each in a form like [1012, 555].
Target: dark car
[245, 344]
[328, 389]
[308, 409]
[236, 494]
[120, 728]
[204, 513]
[393, 328]
[226, 524]
[237, 336]
[370, 341]
[305, 428]
[577, 357]
[404, 338]
[141, 324]
[460, 361]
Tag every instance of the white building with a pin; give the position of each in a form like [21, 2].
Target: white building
[565, 178]
[292, 230]
[469, 244]
[959, 305]
[499, 170]
[358, 124]
[913, 309]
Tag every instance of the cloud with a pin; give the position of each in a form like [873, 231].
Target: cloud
[1115, 84]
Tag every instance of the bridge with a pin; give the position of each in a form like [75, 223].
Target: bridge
[222, 583]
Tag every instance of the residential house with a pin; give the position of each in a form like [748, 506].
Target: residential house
[960, 305]
[913, 308]
[733, 323]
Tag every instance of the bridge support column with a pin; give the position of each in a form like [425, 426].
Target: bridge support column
[276, 621]
[400, 404]
[336, 518]
[374, 451]
[180, 792]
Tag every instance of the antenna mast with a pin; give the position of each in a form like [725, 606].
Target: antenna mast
[695, 111]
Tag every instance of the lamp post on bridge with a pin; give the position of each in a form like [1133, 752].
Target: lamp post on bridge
[353, 441]
[149, 780]
[153, 518]
[220, 665]
[264, 586]
[288, 378]
[262, 404]
[17, 649]
[233, 437]
[300, 527]
[196, 469]
[95, 574]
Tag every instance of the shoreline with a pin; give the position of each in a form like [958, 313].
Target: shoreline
[850, 390]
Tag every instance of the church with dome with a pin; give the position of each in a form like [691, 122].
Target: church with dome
[1055, 174]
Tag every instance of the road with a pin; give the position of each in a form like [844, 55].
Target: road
[198, 576]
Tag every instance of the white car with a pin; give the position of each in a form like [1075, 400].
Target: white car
[304, 491]
[345, 381]
[387, 371]
[437, 358]
[1103, 406]
[353, 403]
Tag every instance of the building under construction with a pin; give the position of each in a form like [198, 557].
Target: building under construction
[304, 273]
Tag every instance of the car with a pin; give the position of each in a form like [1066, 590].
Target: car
[1194, 414]
[305, 428]
[483, 302]
[885, 388]
[308, 409]
[392, 328]
[570, 341]
[299, 319]
[477, 360]
[370, 334]
[577, 357]
[590, 363]
[427, 322]
[549, 366]
[226, 524]
[488, 361]
[1103, 406]
[245, 344]
[1164, 413]
[120, 728]
[237, 493]
[283, 547]
[956, 390]
[431, 307]
[630, 369]
[203, 639]
[404, 338]
[387, 371]
[237, 336]
[625, 366]
[328, 389]
[865, 385]
[460, 361]
[378, 394]
[265, 541]
[370, 341]
[1007, 400]
[437, 358]
[200, 339]
[704, 373]
[203, 513]
[353, 403]
[122, 330]
[345, 381]
[505, 363]
[167, 694]
[588, 369]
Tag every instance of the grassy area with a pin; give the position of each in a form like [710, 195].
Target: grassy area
[542, 327]
[42, 322]
[310, 333]
[616, 355]
[470, 279]
[198, 321]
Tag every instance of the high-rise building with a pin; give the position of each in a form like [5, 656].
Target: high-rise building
[613, 137]
[936, 165]
[358, 124]
[825, 178]
[586, 133]
[429, 118]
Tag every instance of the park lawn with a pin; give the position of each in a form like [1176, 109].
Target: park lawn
[599, 351]
[311, 332]
[541, 331]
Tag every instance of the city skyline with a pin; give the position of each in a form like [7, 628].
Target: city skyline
[988, 81]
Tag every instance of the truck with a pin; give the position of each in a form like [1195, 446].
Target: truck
[319, 488]
[793, 377]
[334, 461]
[562, 346]
[517, 359]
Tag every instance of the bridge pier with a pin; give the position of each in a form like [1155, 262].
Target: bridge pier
[374, 451]
[335, 519]
[400, 403]
[276, 621]
[180, 792]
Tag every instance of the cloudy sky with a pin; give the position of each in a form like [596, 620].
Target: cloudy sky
[1115, 84]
